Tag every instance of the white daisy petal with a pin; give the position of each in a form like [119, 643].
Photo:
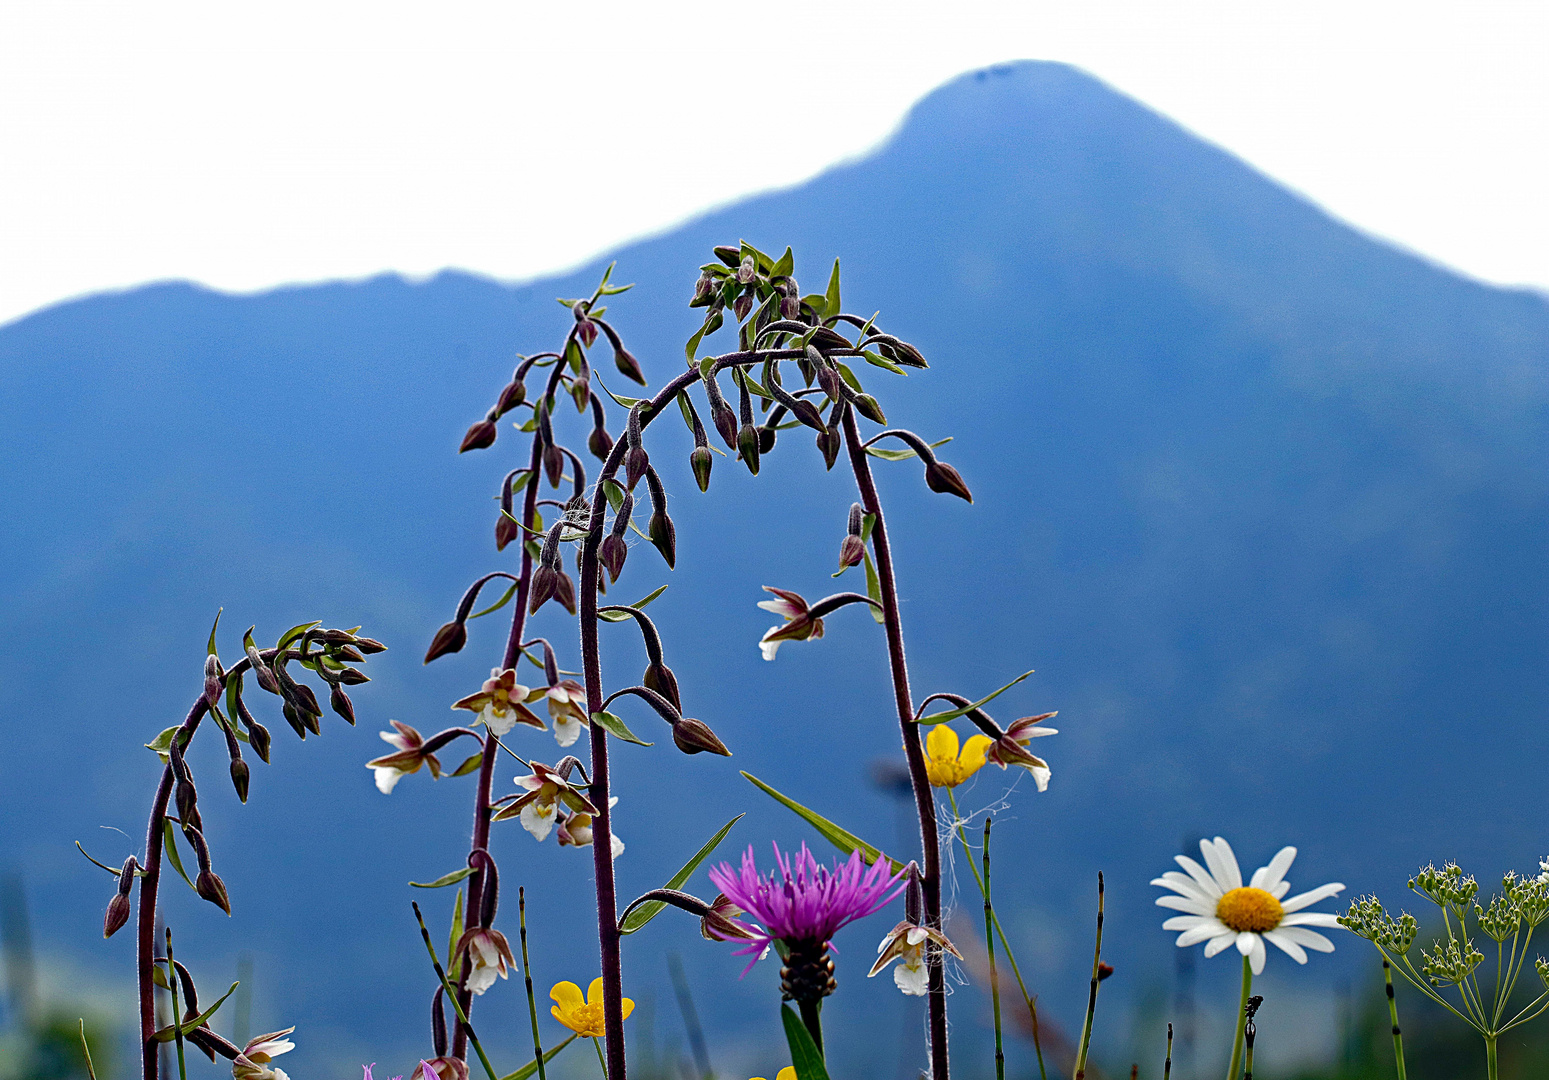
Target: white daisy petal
[1280, 890]
[1182, 884]
[1219, 944]
[1201, 875]
[1309, 938]
[1283, 942]
[1274, 873]
[1322, 892]
[1224, 867]
[1187, 904]
[1186, 922]
[1257, 957]
[1246, 941]
[1203, 932]
[1311, 918]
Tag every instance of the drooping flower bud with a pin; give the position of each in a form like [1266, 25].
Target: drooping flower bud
[829, 445]
[259, 737]
[659, 677]
[586, 330]
[766, 438]
[628, 366]
[506, 530]
[514, 394]
[564, 592]
[695, 737]
[727, 253]
[369, 646]
[449, 639]
[665, 537]
[746, 269]
[790, 307]
[851, 552]
[700, 460]
[479, 437]
[553, 464]
[293, 718]
[339, 702]
[600, 443]
[351, 676]
[942, 477]
[720, 922]
[239, 777]
[209, 886]
[117, 915]
[612, 555]
[213, 675]
[867, 406]
[742, 305]
[748, 446]
[636, 460]
[703, 289]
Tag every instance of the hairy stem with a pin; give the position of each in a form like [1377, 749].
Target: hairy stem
[924, 799]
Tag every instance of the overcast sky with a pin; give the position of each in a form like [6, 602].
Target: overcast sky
[247, 145]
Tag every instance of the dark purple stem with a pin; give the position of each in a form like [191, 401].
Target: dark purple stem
[482, 811]
[924, 797]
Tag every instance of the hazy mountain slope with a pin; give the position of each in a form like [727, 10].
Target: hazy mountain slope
[1261, 499]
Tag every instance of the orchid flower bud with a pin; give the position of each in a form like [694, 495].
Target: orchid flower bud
[513, 395]
[942, 477]
[766, 437]
[695, 737]
[741, 306]
[259, 736]
[600, 443]
[659, 677]
[852, 551]
[564, 592]
[479, 437]
[748, 446]
[213, 679]
[118, 908]
[209, 886]
[746, 270]
[240, 775]
[867, 406]
[700, 460]
[449, 639]
[340, 703]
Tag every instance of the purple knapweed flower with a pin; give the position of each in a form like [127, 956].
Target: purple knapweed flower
[368, 1075]
[804, 904]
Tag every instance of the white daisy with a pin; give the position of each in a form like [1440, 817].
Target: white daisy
[1221, 911]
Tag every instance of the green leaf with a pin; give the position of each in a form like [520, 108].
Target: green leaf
[943, 717]
[705, 367]
[783, 265]
[693, 342]
[619, 399]
[614, 492]
[169, 841]
[159, 976]
[498, 604]
[878, 360]
[170, 1032]
[683, 407]
[534, 548]
[873, 588]
[831, 298]
[532, 1066]
[162, 743]
[573, 355]
[619, 616]
[295, 632]
[806, 1058]
[902, 455]
[445, 879]
[867, 522]
[651, 908]
[457, 932]
[849, 377]
[842, 839]
[212, 631]
[617, 728]
[528, 426]
[468, 766]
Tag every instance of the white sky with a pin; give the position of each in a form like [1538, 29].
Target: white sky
[248, 144]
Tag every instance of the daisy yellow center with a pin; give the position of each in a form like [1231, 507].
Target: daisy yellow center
[1251, 910]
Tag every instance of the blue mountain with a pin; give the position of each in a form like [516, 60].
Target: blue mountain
[1262, 499]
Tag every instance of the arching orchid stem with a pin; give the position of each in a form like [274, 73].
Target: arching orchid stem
[924, 798]
[830, 604]
[678, 899]
[910, 439]
[653, 641]
[978, 717]
[662, 706]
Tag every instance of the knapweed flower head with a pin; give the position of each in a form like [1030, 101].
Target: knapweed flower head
[546, 790]
[366, 1069]
[407, 758]
[907, 944]
[948, 764]
[567, 707]
[1221, 911]
[499, 703]
[253, 1063]
[575, 830]
[583, 1015]
[802, 901]
[489, 955]
[1011, 748]
[799, 624]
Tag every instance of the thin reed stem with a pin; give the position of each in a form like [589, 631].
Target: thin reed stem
[597, 1047]
[1091, 1001]
[989, 947]
[446, 985]
[1167, 1063]
[1027, 999]
[1398, 1035]
[177, 1012]
[532, 1001]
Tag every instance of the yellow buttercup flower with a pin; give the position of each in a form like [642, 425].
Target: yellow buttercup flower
[582, 1016]
[944, 765]
[787, 1073]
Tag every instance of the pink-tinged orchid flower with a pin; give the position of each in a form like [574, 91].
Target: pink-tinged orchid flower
[1011, 748]
[499, 703]
[546, 790]
[575, 830]
[409, 756]
[907, 943]
[489, 955]
[253, 1063]
[799, 624]
[567, 707]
